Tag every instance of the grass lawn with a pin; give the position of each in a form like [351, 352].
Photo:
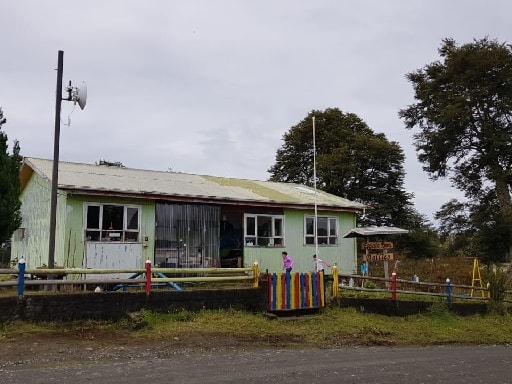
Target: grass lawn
[334, 327]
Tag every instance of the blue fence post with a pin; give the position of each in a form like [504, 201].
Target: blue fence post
[274, 291]
[21, 277]
[303, 278]
[288, 289]
[314, 290]
[448, 290]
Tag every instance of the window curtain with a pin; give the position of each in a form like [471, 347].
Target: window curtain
[192, 229]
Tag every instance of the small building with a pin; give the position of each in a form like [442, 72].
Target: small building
[115, 217]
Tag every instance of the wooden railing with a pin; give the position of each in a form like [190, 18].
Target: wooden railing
[394, 286]
[148, 277]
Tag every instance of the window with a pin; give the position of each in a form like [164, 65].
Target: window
[109, 222]
[264, 230]
[327, 230]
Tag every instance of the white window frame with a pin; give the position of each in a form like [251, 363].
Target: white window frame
[264, 230]
[98, 233]
[332, 230]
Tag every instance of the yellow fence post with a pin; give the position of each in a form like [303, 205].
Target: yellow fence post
[256, 273]
[335, 281]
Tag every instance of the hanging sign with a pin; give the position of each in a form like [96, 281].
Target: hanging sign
[377, 245]
[379, 256]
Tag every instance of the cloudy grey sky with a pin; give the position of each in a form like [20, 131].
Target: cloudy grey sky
[211, 86]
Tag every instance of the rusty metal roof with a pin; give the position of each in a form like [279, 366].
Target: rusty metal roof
[109, 180]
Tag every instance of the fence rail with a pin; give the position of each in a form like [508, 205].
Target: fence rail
[410, 287]
[147, 277]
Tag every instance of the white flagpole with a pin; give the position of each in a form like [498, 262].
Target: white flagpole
[314, 183]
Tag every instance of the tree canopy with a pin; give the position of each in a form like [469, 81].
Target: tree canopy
[352, 162]
[10, 205]
[463, 113]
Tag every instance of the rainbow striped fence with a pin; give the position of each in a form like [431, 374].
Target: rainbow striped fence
[290, 291]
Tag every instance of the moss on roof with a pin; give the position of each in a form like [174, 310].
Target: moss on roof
[253, 186]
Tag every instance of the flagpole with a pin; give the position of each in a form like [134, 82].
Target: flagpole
[314, 183]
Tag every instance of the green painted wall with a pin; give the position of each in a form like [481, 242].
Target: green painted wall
[32, 243]
[344, 254]
[74, 237]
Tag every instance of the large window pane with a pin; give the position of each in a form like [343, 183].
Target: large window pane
[132, 218]
[112, 217]
[251, 226]
[322, 226]
[264, 226]
[332, 227]
[92, 224]
[93, 217]
[278, 227]
[310, 226]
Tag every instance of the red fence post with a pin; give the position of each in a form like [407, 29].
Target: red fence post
[148, 275]
[393, 286]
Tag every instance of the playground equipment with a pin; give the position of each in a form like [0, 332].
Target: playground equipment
[140, 275]
[476, 278]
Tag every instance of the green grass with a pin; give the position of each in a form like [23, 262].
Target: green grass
[334, 327]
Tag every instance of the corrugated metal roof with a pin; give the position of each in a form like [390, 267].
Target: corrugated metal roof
[158, 184]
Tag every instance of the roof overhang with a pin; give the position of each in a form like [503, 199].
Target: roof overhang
[375, 231]
[204, 199]
[26, 173]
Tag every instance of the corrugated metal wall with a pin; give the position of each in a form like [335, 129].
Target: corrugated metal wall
[31, 241]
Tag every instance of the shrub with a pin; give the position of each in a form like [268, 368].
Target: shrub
[498, 284]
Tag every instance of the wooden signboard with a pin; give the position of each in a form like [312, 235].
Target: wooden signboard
[378, 256]
[377, 245]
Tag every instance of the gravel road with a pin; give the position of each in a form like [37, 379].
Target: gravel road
[155, 363]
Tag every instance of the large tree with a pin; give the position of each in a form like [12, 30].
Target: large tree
[474, 229]
[464, 116]
[351, 162]
[10, 216]
[455, 228]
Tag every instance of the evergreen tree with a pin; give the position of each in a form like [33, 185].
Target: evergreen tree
[10, 205]
[351, 162]
[463, 111]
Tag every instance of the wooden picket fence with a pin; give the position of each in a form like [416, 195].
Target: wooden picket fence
[293, 291]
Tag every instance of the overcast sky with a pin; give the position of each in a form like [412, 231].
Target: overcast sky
[211, 86]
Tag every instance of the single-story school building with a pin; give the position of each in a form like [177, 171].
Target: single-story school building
[116, 217]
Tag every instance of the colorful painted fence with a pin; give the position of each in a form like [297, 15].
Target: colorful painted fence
[290, 291]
